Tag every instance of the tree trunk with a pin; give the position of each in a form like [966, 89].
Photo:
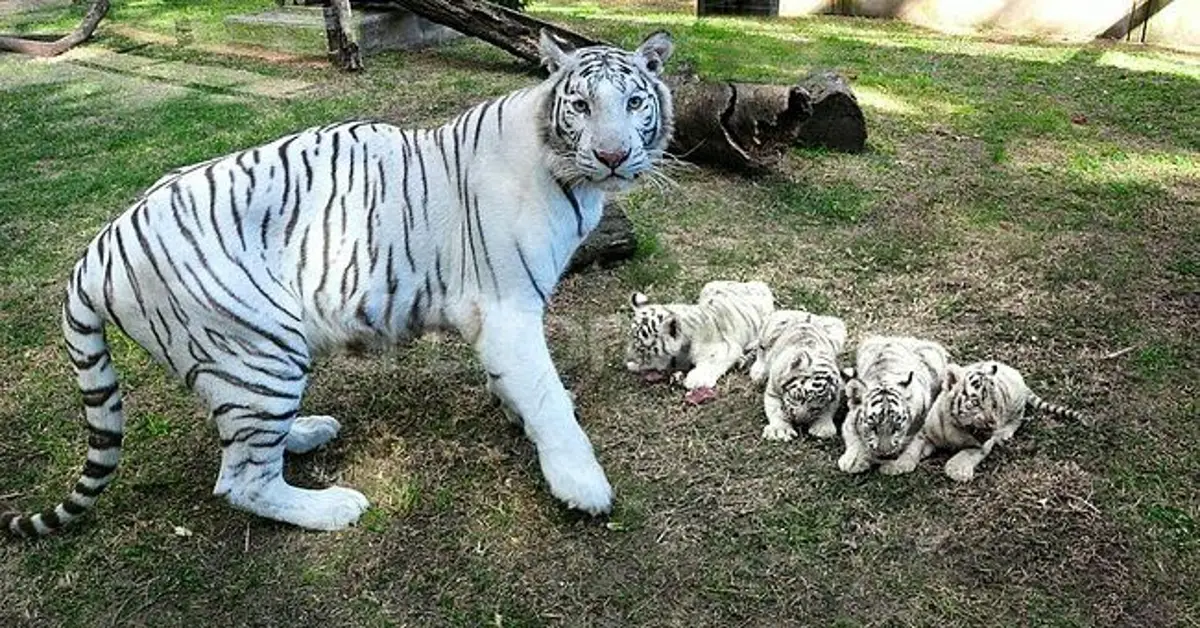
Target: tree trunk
[342, 47]
[91, 19]
[738, 126]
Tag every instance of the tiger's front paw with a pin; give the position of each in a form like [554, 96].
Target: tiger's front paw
[698, 379]
[960, 469]
[850, 462]
[577, 480]
[779, 432]
[823, 429]
[897, 467]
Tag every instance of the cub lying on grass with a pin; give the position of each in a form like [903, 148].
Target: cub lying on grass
[705, 339]
[981, 405]
[796, 359]
[888, 396]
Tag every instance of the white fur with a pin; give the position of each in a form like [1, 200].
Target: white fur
[947, 429]
[788, 345]
[711, 336]
[238, 270]
[884, 363]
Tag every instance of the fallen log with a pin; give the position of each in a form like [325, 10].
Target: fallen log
[91, 19]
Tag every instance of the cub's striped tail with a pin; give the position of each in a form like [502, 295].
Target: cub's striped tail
[83, 330]
[1037, 404]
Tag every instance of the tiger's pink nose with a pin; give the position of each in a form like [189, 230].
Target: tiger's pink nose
[612, 158]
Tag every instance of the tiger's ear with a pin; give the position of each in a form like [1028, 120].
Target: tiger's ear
[952, 376]
[655, 51]
[854, 392]
[638, 299]
[801, 361]
[556, 53]
[995, 368]
[673, 327]
[848, 374]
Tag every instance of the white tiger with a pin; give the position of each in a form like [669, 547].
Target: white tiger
[796, 359]
[894, 383]
[237, 271]
[981, 405]
[705, 339]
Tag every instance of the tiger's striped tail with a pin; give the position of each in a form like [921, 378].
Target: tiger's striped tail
[1037, 404]
[83, 330]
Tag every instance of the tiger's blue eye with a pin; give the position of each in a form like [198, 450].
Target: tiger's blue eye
[635, 103]
[580, 107]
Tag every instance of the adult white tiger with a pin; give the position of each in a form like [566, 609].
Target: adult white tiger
[894, 383]
[237, 271]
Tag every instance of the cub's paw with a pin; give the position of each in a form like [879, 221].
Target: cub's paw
[850, 463]
[961, 466]
[696, 379]
[823, 430]
[758, 371]
[896, 467]
[960, 469]
[779, 432]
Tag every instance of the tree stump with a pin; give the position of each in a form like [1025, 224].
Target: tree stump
[837, 121]
[613, 240]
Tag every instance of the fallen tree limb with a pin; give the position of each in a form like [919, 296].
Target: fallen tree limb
[95, 13]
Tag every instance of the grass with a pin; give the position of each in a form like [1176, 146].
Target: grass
[981, 215]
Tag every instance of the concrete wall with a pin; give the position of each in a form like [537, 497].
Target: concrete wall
[1176, 22]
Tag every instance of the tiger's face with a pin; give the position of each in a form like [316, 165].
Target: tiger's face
[882, 415]
[974, 400]
[809, 391]
[609, 118]
[656, 344]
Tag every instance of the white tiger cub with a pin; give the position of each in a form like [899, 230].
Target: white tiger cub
[705, 339]
[236, 272]
[796, 359]
[981, 405]
[892, 388]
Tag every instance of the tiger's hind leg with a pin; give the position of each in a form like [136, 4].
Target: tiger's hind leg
[256, 422]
